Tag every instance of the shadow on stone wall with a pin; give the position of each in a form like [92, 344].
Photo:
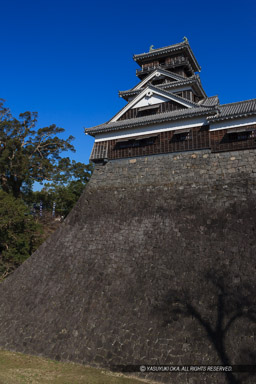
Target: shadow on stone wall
[221, 307]
[183, 222]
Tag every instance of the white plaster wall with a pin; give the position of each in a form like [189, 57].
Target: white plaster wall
[154, 99]
[232, 123]
[157, 128]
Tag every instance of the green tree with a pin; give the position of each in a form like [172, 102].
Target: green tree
[20, 235]
[26, 154]
[68, 184]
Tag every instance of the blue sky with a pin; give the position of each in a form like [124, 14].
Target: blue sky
[68, 59]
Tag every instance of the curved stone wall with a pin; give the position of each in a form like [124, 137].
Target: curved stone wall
[154, 265]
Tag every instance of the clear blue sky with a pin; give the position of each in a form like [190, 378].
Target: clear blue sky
[68, 59]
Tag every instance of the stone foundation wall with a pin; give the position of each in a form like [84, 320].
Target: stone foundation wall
[154, 265]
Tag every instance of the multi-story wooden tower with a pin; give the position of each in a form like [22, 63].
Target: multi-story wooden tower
[169, 111]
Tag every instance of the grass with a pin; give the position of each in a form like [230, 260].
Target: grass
[17, 368]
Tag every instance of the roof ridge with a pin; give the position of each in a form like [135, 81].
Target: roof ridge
[159, 49]
[237, 102]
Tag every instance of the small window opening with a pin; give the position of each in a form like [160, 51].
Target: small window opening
[239, 135]
[181, 135]
[136, 142]
[148, 110]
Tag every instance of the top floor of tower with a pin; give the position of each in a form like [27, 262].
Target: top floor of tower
[177, 58]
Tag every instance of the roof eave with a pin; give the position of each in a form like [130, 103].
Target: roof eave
[139, 56]
[164, 85]
[92, 132]
[156, 52]
[230, 117]
[193, 82]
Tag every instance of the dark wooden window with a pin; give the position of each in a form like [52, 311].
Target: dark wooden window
[163, 142]
[136, 142]
[181, 135]
[233, 139]
[158, 81]
[148, 110]
[151, 110]
[238, 136]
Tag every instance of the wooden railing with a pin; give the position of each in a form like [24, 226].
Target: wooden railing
[172, 63]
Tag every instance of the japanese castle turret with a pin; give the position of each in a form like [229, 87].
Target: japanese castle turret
[169, 111]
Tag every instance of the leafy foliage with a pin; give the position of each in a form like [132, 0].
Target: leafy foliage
[20, 235]
[68, 184]
[28, 155]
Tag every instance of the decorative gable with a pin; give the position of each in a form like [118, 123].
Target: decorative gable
[153, 109]
[151, 96]
[150, 99]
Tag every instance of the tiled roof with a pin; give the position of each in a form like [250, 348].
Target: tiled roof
[239, 109]
[208, 108]
[151, 119]
[176, 84]
[210, 101]
[169, 49]
[159, 87]
[163, 72]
